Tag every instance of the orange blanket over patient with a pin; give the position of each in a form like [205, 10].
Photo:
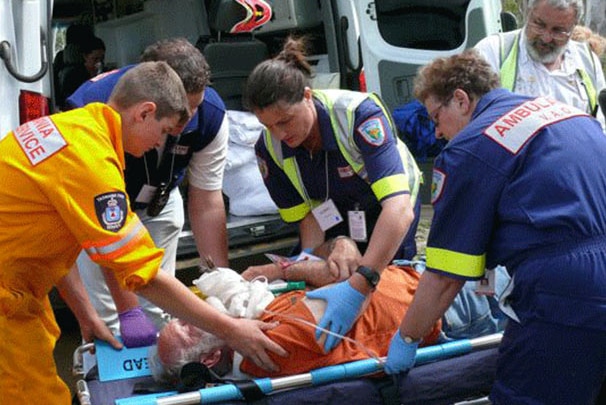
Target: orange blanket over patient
[372, 331]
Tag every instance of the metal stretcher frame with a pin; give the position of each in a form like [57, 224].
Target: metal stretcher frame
[437, 378]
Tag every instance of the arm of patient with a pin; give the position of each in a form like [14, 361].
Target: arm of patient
[315, 273]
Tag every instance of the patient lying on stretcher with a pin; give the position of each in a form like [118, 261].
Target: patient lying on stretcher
[180, 343]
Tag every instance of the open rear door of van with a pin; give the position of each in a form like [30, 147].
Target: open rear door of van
[399, 36]
[24, 68]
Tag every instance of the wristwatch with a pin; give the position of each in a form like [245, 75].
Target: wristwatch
[372, 276]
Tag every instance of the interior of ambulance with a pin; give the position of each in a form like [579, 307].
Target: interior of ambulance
[374, 46]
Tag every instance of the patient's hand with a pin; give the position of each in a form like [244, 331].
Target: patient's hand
[272, 271]
[343, 259]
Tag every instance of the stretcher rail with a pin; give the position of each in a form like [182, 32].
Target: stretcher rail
[361, 368]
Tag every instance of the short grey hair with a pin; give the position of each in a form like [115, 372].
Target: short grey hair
[577, 5]
[171, 352]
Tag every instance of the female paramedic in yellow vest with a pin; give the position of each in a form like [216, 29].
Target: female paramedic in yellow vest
[62, 190]
[332, 161]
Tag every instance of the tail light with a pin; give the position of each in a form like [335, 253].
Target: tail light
[32, 105]
[362, 80]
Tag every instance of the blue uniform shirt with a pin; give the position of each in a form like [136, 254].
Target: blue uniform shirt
[198, 133]
[524, 185]
[347, 189]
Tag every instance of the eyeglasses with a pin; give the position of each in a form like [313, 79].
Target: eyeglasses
[435, 115]
[540, 29]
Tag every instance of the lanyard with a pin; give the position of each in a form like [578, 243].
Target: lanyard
[168, 146]
[327, 180]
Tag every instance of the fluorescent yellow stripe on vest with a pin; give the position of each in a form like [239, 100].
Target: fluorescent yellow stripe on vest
[414, 177]
[294, 214]
[590, 90]
[509, 71]
[389, 185]
[292, 171]
[271, 149]
[509, 68]
[456, 263]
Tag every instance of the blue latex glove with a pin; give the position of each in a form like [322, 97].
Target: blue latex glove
[343, 303]
[136, 329]
[401, 355]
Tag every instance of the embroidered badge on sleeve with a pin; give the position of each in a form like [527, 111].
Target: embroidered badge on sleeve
[437, 185]
[373, 131]
[111, 209]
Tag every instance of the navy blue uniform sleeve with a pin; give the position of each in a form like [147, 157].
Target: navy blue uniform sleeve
[465, 209]
[377, 142]
[97, 89]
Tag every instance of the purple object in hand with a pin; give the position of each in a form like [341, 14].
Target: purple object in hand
[136, 329]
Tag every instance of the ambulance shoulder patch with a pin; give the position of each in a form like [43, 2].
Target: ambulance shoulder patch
[111, 209]
[437, 184]
[518, 126]
[39, 139]
[373, 131]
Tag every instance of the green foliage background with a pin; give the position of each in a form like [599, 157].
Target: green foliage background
[515, 7]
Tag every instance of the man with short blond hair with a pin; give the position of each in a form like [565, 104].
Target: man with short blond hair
[152, 183]
[62, 191]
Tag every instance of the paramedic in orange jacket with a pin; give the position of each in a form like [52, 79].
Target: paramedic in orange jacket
[62, 190]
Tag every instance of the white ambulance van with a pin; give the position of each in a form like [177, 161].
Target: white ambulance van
[396, 37]
[25, 85]
[371, 45]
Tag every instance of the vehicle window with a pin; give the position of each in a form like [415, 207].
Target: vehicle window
[422, 24]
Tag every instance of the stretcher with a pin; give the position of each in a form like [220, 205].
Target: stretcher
[459, 372]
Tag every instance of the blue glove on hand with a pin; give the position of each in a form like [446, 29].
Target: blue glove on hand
[401, 355]
[136, 329]
[343, 303]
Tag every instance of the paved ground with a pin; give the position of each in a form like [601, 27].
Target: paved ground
[70, 333]
[423, 228]
[67, 344]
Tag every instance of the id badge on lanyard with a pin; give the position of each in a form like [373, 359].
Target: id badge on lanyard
[327, 215]
[357, 225]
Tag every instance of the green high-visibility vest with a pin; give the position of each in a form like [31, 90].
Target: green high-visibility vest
[509, 47]
[341, 105]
